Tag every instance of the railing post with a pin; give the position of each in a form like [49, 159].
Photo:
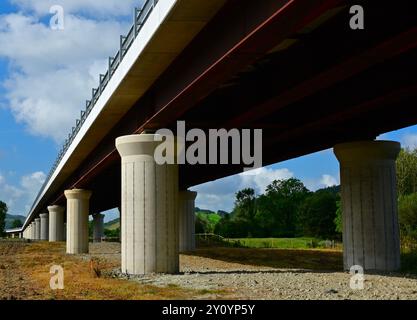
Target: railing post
[135, 21]
[110, 64]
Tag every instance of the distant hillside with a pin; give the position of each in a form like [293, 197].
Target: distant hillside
[10, 218]
[220, 213]
[113, 224]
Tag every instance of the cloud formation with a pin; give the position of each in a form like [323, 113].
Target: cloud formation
[93, 7]
[220, 194]
[409, 141]
[52, 72]
[19, 198]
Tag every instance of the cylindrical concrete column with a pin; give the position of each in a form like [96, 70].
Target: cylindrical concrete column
[37, 228]
[149, 229]
[77, 220]
[32, 231]
[369, 196]
[44, 226]
[56, 223]
[186, 213]
[98, 227]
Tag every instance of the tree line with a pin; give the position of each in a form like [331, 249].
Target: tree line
[287, 209]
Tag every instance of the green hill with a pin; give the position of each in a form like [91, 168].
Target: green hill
[211, 217]
[10, 218]
[112, 225]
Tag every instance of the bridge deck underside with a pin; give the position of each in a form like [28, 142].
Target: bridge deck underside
[317, 87]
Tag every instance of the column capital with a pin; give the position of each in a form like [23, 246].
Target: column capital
[78, 194]
[137, 144]
[367, 151]
[56, 209]
[37, 220]
[44, 215]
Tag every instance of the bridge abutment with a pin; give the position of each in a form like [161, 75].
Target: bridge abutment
[78, 202]
[149, 230]
[186, 212]
[56, 223]
[98, 227]
[369, 202]
[44, 227]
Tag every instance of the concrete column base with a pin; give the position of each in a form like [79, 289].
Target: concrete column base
[369, 200]
[77, 220]
[186, 212]
[56, 223]
[149, 230]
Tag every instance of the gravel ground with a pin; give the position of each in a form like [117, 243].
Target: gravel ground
[243, 281]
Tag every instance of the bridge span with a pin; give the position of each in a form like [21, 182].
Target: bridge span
[293, 68]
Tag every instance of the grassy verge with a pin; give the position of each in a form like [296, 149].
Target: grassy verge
[24, 274]
[409, 262]
[284, 243]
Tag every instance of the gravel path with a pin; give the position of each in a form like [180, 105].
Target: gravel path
[245, 281]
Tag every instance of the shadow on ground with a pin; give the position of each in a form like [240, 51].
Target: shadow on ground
[322, 260]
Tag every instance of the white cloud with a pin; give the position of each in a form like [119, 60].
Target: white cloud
[19, 198]
[260, 178]
[328, 181]
[409, 141]
[93, 7]
[220, 194]
[52, 72]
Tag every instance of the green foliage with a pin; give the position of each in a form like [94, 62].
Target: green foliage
[206, 221]
[338, 220]
[273, 214]
[114, 233]
[407, 172]
[278, 208]
[3, 212]
[233, 227]
[407, 210]
[16, 224]
[317, 215]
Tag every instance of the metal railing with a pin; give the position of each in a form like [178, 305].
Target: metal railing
[140, 17]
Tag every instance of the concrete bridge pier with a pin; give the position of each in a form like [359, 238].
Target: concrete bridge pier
[369, 201]
[44, 227]
[98, 227]
[186, 212]
[149, 230]
[56, 223]
[37, 228]
[77, 220]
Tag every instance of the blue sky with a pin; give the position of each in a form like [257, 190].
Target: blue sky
[39, 67]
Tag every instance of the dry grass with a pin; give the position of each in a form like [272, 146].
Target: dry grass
[83, 280]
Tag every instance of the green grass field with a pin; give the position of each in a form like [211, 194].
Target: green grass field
[280, 243]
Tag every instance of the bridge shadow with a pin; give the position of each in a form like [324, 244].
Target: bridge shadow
[297, 260]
